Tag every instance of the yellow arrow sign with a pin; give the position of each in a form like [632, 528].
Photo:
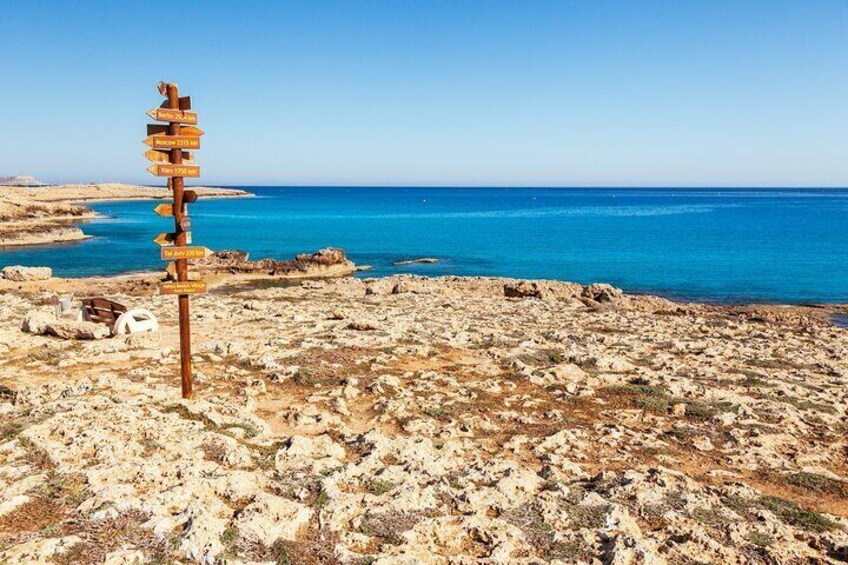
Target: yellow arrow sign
[162, 129]
[159, 156]
[177, 253]
[167, 238]
[163, 170]
[191, 131]
[175, 116]
[164, 210]
[160, 141]
[187, 287]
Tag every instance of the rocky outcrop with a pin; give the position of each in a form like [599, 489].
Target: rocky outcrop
[44, 324]
[420, 261]
[601, 292]
[522, 289]
[591, 294]
[329, 262]
[20, 180]
[19, 273]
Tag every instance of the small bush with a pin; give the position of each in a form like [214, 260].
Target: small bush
[591, 517]
[760, 540]
[696, 410]
[651, 403]
[379, 486]
[792, 514]
[818, 483]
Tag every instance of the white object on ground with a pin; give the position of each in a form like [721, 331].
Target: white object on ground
[135, 321]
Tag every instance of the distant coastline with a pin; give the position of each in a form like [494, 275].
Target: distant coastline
[45, 214]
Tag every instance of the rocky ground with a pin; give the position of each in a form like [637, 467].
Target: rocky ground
[50, 214]
[445, 421]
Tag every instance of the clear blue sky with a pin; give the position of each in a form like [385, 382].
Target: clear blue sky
[592, 92]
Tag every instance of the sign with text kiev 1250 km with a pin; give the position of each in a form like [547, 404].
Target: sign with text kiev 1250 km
[169, 143]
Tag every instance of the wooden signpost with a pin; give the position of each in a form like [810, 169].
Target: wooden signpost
[174, 163]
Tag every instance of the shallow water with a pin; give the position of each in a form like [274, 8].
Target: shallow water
[776, 245]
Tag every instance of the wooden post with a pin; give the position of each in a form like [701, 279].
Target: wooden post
[176, 184]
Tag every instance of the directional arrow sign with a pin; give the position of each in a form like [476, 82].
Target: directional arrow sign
[158, 156]
[172, 141]
[191, 130]
[184, 102]
[164, 210]
[170, 115]
[166, 238]
[187, 287]
[158, 129]
[162, 129]
[177, 253]
[163, 170]
[189, 196]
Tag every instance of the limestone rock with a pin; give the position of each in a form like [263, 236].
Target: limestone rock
[363, 325]
[602, 292]
[20, 273]
[522, 289]
[37, 322]
[42, 323]
[316, 453]
[271, 517]
[69, 329]
[422, 260]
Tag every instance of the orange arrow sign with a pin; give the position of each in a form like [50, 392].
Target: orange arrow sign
[163, 170]
[158, 156]
[162, 129]
[164, 210]
[191, 131]
[184, 102]
[167, 238]
[172, 141]
[177, 253]
[175, 116]
[187, 287]
[158, 129]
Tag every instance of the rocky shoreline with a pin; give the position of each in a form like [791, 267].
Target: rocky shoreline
[407, 420]
[50, 214]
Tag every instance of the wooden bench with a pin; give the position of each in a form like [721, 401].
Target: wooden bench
[119, 319]
[102, 311]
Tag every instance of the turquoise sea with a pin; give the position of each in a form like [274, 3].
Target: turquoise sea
[723, 245]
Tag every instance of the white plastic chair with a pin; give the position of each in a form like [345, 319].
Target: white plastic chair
[135, 321]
